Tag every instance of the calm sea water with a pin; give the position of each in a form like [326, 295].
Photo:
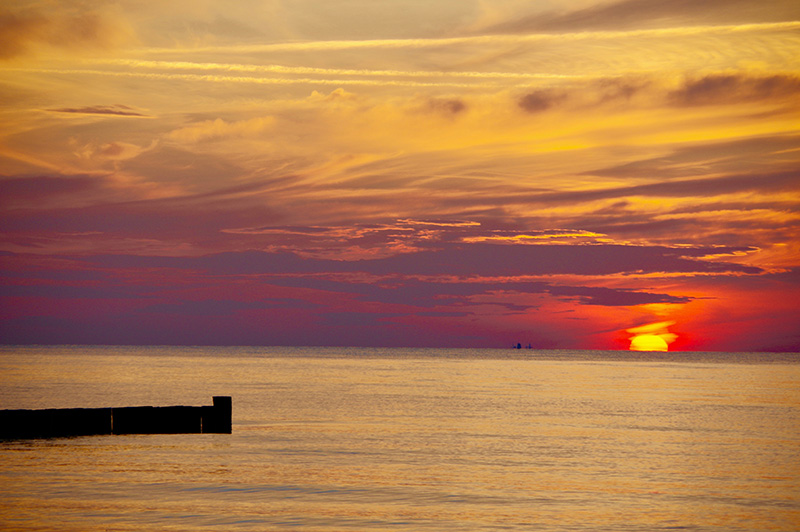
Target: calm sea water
[403, 440]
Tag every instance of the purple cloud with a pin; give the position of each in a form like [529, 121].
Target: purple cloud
[735, 88]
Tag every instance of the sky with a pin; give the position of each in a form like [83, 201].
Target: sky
[459, 173]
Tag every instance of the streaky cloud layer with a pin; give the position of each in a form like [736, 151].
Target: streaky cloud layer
[401, 173]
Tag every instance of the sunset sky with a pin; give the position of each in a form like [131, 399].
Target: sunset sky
[569, 174]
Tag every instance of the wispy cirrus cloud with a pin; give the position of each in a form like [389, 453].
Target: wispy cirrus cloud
[313, 45]
[322, 72]
[648, 13]
[260, 80]
[114, 110]
[777, 182]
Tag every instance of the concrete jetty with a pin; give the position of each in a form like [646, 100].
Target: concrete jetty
[61, 422]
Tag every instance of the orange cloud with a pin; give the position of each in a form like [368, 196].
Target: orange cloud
[401, 175]
[220, 129]
[29, 30]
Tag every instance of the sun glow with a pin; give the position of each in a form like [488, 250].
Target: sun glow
[651, 337]
[648, 342]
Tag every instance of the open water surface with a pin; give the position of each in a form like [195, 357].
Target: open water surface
[340, 439]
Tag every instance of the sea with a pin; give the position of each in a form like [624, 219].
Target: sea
[366, 439]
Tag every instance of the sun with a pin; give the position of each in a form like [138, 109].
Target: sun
[652, 336]
[648, 342]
